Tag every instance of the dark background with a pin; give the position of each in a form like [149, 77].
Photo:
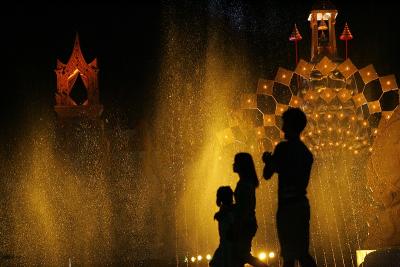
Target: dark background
[129, 39]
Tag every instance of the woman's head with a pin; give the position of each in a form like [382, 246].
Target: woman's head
[244, 166]
[224, 196]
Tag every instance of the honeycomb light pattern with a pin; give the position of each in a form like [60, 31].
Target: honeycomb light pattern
[344, 105]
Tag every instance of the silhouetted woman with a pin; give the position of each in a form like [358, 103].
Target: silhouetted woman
[245, 223]
[223, 256]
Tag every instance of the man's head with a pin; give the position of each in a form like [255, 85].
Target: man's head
[294, 122]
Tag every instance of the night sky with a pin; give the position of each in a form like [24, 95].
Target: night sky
[128, 41]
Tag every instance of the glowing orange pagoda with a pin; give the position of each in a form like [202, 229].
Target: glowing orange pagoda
[77, 86]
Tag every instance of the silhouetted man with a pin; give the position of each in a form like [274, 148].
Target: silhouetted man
[292, 161]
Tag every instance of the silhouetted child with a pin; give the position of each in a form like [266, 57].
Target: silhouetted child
[245, 223]
[223, 256]
[292, 161]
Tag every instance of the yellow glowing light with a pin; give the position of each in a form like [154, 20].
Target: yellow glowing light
[193, 259]
[388, 82]
[329, 116]
[226, 136]
[368, 73]
[357, 137]
[304, 68]
[356, 152]
[269, 119]
[302, 138]
[350, 148]
[359, 99]
[364, 142]
[259, 132]
[316, 147]
[375, 131]
[309, 133]
[339, 130]
[330, 129]
[348, 132]
[387, 116]
[265, 86]
[353, 118]
[319, 131]
[341, 115]
[347, 68]
[370, 149]
[316, 115]
[373, 106]
[311, 97]
[262, 256]
[283, 76]
[337, 143]
[275, 143]
[296, 101]
[271, 254]
[322, 144]
[281, 109]
[252, 147]
[249, 100]
[328, 94]
[365, 123]
[330, 143]
[325, 66]
[344, 145]
[199, 258]
[208, 257]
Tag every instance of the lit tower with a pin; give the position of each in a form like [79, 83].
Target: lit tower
[323, 37]
[77, 93]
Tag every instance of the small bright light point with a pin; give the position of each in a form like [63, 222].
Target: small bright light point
[275, 143]
[193, 259]
[304, 68]
[337, 143]
[269, 119]
[353, 118]
[199, 258]
[370, 149]
[319, 131]
[325, 66]
[208, 257]
[348, 132]
[262, 256]
[265, 87]
[364, 142]
[388, 82]
[310, 133]
[347, 68]
[311, 97]
[271, 254]
[281, 109]
[350, 147]
[328, 95]
[368, 73]
[388, 117]
[296, 101]
[329, 116]
[330, 129]
[248, 100]
[226, 136]
[316, 115]
[356, 152]
[344, 145]
[259, 132]
[186, 259]
[375, 131]
[252, 147]
[284, 76]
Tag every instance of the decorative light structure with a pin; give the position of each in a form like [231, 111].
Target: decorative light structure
[295, 37]
[346, 36]
[345, 106]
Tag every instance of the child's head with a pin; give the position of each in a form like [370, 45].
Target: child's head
[224, 196]
[294, 122]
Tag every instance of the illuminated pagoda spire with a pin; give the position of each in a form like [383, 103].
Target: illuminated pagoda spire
[69, 76]
[346, 36]
[323, 17]
[295, 36]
